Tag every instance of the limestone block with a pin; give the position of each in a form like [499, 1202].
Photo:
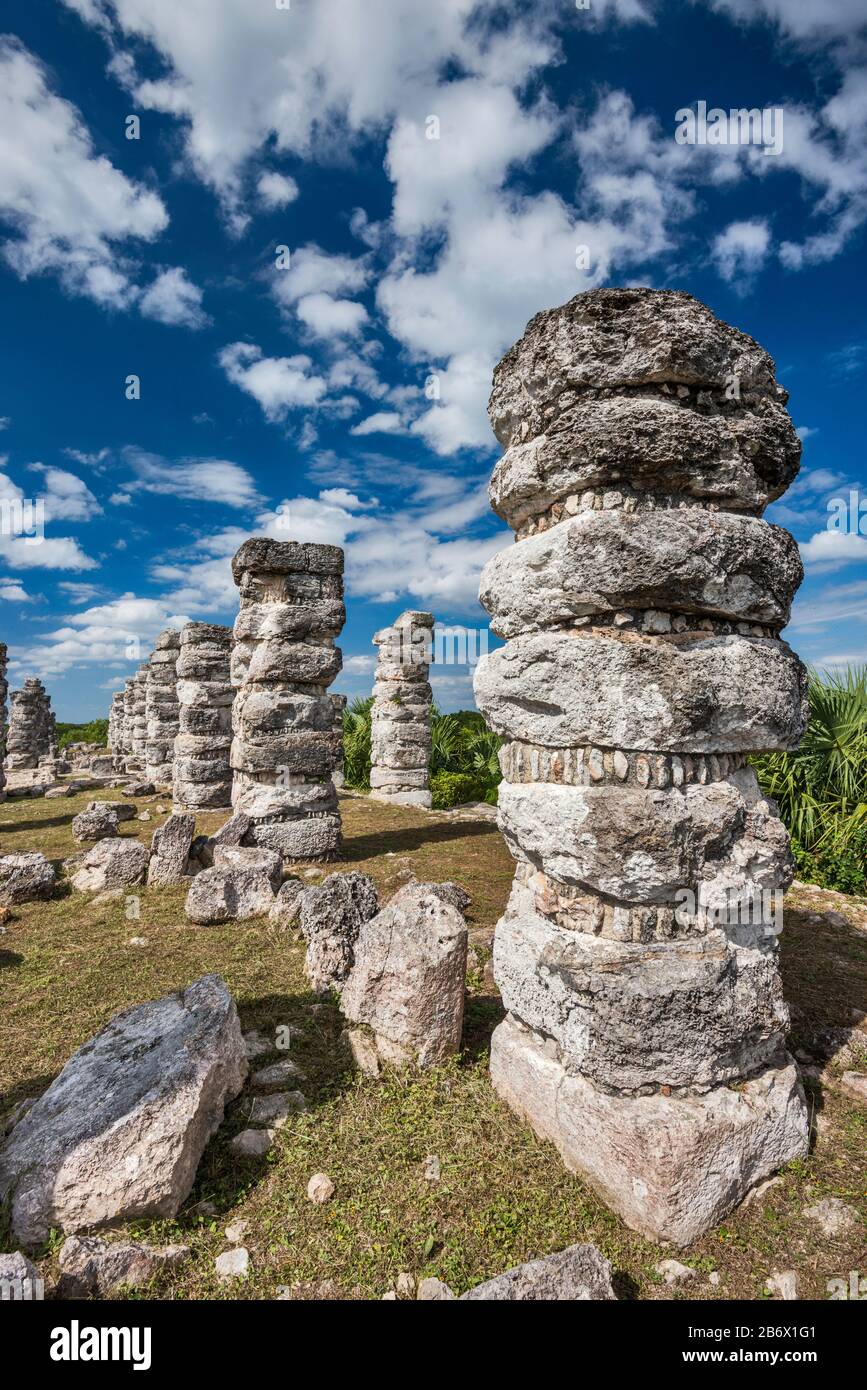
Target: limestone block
[691, 695]
[690, 561]
[671, 1166]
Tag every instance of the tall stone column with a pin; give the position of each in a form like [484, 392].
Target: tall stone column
[115, 724]
[401, 712]
[136, 720]
[202, 774]
[3, 692]
[129, 698]
[287, 741]
[161, 708]
[637, 957]
[27, 738]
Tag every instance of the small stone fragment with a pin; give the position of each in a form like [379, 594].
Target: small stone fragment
[320, 1188]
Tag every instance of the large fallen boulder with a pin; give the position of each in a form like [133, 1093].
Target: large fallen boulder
[25, 878]
[331, 915]
[112, 863]
[407, 982]
[170, 850]
[119, 1134]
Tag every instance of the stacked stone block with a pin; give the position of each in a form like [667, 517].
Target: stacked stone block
[401, 712]
[161, 708]
[139, 727]
[3, 692]
[287, 727]
[637, 957]
[129, 701]
[202, 773]
[115, 724]
[28, 741]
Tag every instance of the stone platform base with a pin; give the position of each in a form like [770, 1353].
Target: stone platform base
[414, 797]
[671, 1167]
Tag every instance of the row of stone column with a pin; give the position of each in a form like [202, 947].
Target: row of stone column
[244, 717]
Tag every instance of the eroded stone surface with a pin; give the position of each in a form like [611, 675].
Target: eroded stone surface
[202, 776]
[672, 1164]
[287, 728]
[119, 1134]
[642, 606]
[401, 712]
[407, 982]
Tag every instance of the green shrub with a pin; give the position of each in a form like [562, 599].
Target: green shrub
[94, 732]
[455, 788]
[842, 869]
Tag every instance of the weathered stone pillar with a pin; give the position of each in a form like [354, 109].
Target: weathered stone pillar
[115, 724]
[637, 957]
[3, 692]
[401, 713]
[287, 740]
[202, 774]
[27, 738]
[161, 708]
[129, 697]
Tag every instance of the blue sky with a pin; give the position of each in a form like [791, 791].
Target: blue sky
[341, 397]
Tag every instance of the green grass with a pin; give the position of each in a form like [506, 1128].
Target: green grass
[503, 1197]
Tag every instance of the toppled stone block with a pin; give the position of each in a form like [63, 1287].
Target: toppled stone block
[579, 1274]
[118, 1135]
[407, 981]
[228, 894]
[170, 850]
[111, 863]
[99, 822]
[252, 858]
[91, 1267]
[25, 878]
[331, 915]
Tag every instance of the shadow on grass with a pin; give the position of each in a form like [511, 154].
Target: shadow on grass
[481, 1015]
[47, 823]
[313, 1027]
[8, 959]
[412, 837]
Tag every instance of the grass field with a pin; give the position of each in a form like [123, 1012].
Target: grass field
[502, 1197]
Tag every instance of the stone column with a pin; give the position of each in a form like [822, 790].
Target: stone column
[401, 713]
[338, 774]
[139, 728]
[129, 696]
[161, 708]
[287, 742]
[637, 957]
[202, 774]
[115, 724]
[3, 692]
[26, 740]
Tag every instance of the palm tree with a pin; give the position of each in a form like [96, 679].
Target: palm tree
[821, 787]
